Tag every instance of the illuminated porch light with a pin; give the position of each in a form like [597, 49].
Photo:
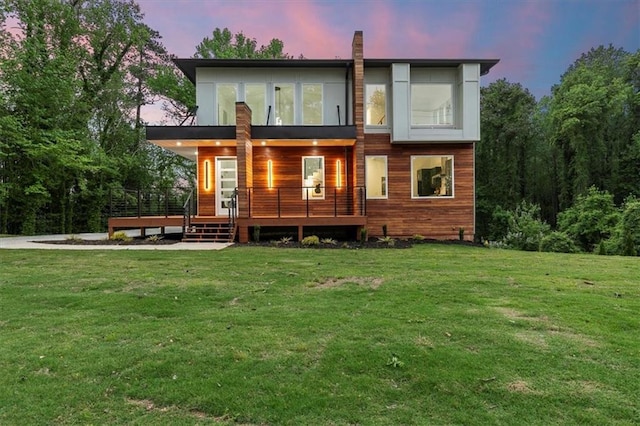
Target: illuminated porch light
[269, 174]
[339, 174]
[263, 143]
[315, 142]
[178, 143]
[207, 175]
[217, 143]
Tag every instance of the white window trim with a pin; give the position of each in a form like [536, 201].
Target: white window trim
[433, 197]
[454, 105]
[386, 107]
[386, 176]
[306, 189]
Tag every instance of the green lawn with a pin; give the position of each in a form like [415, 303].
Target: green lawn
[434, 334]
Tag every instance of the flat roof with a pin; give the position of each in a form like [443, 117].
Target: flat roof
[188, 65]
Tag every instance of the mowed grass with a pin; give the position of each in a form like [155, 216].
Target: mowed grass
[434, 334]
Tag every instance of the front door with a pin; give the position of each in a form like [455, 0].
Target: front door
[226, 183]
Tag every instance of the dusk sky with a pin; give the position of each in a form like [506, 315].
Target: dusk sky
[535, 40]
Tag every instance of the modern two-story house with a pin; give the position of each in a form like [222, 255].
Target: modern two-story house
[333, 144]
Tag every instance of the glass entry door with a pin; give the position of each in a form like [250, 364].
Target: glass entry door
[226, 183]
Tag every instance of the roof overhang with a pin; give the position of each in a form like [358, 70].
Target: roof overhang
[485, 64]
[185, 140]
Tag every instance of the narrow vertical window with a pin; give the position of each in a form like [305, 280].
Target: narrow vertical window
[376, 176]
[339, 174]
[376, 105]
[313, 178]
[311, 104]
[227, 96]
[285, 104]
[255, 97]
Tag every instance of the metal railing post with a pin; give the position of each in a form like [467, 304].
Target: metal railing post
[278, 202]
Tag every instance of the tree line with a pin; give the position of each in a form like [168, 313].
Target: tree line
[566, 162]
[76, 74]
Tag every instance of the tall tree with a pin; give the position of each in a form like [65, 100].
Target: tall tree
[70, 88]
[592, 123]
[503, 155]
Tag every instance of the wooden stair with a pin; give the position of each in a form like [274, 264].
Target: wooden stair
[210, 233]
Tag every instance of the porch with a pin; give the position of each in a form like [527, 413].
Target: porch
[296, 207]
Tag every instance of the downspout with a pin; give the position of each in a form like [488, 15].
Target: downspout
[346, 93]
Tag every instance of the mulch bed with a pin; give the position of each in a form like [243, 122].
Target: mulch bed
[175, 238]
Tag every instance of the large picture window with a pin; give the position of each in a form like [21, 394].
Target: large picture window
[313, 178]
[285, 104]
[432, 176]
[432, 104]
[376, 176]
[255, 97]
[311, 104]
[227, 96]
[376, 105]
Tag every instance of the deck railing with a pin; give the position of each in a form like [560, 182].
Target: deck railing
[296, 201]
[148, 202]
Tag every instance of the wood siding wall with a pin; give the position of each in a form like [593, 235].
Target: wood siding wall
[432, 217]
[207, 199]
[287, 175]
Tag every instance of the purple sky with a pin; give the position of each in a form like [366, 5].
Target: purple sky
[535, 40]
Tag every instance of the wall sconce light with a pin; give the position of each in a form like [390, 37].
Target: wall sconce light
[207, 175]
[339, 174]
[269, 174]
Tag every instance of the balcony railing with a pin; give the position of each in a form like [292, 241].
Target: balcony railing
[148, 202]
[298, 201]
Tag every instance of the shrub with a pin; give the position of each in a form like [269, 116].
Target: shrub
[461, 234]
[311, 241]
[387, 240]
[418, 237]
[525, 228]
[630, 228]
[591, 219]
[329, 241]
[364, 234]
[384, 230]
[120, 236]
[153, 238]
[256, 233]
[558, 242]
[285, 240]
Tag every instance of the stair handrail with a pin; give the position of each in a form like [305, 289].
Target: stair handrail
[233, 207]
[187, 208]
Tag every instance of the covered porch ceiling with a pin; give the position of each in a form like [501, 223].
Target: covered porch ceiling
[185, 140]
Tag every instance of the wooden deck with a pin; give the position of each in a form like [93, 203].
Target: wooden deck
[300, 222]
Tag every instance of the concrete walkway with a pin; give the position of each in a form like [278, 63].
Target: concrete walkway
[30, 242]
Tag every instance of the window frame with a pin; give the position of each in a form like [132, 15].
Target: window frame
[308, 191]
[277, 87]
[452, 99]
[302, 106]
[415, 180]
[233, 112]
[255, 113]
[384, 179]
[386, 106]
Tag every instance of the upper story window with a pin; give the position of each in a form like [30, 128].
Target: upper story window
[432, 104]
[284, 104]
[227, 95]
[312, 104]
[376, 105]
[255, 95]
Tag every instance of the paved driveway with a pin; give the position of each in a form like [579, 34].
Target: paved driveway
[32, 243]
